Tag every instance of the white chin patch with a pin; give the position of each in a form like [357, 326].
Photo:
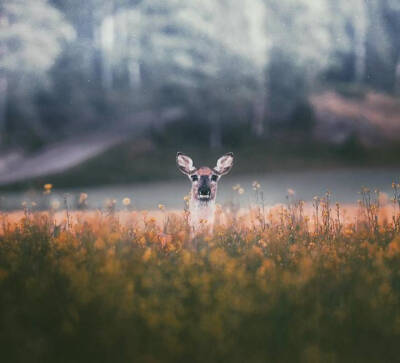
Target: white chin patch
[204, 196]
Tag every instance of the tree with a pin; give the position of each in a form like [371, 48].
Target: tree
[240, 26]
[310, 38]
[31, 37]
[213, 52]
[301, 49]
[391, 15]
[349, 28]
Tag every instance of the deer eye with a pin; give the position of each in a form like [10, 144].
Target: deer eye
[195, 178]
[214, 178]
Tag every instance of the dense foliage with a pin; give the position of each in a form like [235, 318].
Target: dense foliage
[68, 67]
[276, 286]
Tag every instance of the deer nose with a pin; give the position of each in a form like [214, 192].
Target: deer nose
[204, 191]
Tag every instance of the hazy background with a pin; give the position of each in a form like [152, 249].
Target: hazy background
[101, 93]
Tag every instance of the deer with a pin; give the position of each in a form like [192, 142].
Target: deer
[204, 189]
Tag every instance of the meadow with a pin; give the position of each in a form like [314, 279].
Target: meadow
[299, 282]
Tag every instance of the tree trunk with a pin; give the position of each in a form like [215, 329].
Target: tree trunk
[107, 44]
[260, 107]
[360, 42]
[134, 74]
[132, 48]
[258, 115]
[397, 76]
[360, 57]
[216, 133]
[3, 107]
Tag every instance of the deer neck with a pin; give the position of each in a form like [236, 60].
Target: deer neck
[201, 212]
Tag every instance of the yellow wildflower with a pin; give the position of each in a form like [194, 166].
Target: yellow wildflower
[256, 185]
[236, 187]
[82, 198]
[126, 202]
[47, 188]
[55, 204]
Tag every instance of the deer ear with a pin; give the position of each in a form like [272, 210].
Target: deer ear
[185, 163]
[224, 164]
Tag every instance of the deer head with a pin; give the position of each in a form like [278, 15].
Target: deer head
[204, 180]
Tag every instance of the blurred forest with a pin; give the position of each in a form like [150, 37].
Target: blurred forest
[207, 73]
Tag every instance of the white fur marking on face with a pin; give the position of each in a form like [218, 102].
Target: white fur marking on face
[224, 164]
[185, 163]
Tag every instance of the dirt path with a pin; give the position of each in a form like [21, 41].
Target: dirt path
[55, 158]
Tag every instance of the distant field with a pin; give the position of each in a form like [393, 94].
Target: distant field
[343, 183]
[315, 282]
[143, 161]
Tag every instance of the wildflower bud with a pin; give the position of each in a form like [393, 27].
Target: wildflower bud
[110, 203]
[256, 185]
[82, 198]
[47, 188]
[126, 202]
[55, 204]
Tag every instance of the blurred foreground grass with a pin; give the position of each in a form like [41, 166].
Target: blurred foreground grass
[288, 284]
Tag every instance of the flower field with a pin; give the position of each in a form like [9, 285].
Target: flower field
[313, 282]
